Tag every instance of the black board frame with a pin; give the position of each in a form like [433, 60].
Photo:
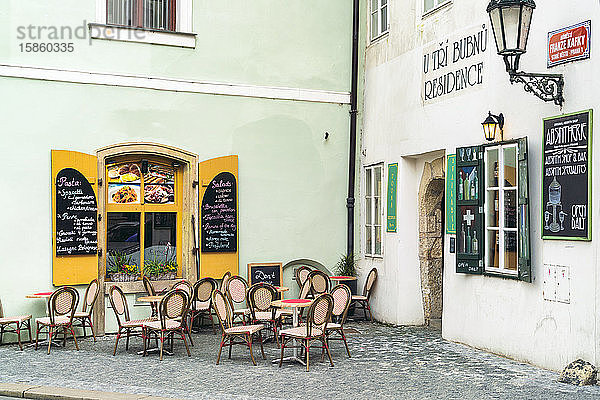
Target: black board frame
[252, 266]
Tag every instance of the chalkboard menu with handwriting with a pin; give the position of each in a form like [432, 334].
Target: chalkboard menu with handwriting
[76, 208]
[219, 215]
[265, 272]
[566, 189]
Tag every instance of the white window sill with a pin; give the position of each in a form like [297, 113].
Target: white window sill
[379, 38]
[437, 8]
[139, 35]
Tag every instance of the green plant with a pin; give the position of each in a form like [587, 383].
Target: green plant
[161, 262]
[346, 266]
[119, 261]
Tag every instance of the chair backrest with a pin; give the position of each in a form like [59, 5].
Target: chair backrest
[148, 286]
[302, 275]
[203, 289]
[1, 310]
[224, 280]
[185, 286]
[236, 289]
[371, 279]
[91, 294]
[63, 302]
[305, 290]
[342, 297]
[260, 297]
[319, 313]
[118, 303]
[319, 282]
[173, 305]
[223, 309]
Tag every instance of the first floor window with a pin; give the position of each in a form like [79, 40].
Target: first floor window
[379, 18]
[373, 211]
[429, 5]
[148, 14]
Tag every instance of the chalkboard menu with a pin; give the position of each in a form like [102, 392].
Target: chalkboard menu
[219, 215]
[566, 190]
[265, 272]
[76, 226]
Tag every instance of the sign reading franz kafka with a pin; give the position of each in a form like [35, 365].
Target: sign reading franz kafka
[455, 65]
[219, 215]
[566, 189]
[76, 208]
[569, 44]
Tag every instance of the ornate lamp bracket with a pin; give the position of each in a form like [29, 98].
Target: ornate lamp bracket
[548, 87]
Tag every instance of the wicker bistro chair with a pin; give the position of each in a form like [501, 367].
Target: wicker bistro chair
[363, 301]
[150, 291]
[189, 290]
[302, 275]
[260, 296]
[127, 326]
[319, 314]
[342, 296]
[83, 318]
[20, 322]
[172, 311]
[232, 335]
[319, 282]
[304, 292]
[236, 291]
[201, 305]
[224, 280]
[61, 310]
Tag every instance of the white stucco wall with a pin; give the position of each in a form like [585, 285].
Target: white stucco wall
[503, 316]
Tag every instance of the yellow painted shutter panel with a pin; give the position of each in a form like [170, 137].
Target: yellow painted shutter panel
[72, 269]
[216, 264]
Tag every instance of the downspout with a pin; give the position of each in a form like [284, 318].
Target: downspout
[353, 111]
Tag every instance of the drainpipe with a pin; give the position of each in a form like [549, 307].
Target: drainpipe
[353, 111]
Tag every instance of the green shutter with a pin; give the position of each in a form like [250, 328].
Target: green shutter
[524, 244]
[469, 210]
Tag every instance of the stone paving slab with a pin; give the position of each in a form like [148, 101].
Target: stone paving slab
[388, 362]
[14, 389]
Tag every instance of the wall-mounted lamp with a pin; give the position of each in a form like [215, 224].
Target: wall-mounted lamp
[492, 126]
[511, 20]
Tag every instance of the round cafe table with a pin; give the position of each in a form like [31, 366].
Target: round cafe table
[152, 299]
[341, 278]
[42, 295]
[294, 304]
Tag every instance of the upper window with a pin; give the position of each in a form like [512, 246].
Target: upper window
[379, 18]
[373, 210]
[429, 5]
[148, 14]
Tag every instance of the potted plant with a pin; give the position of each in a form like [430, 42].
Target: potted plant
[121, 267]
[157, 267]
[346, 266]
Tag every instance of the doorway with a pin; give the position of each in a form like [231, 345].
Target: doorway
[431, 240]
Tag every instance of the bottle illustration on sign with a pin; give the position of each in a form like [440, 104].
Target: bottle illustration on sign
[468, 184]
[468, 235]
[554, 204]
[460, 185]
[474, 246]
[462, 243]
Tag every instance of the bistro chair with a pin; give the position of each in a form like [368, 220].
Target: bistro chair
[150, 291]
[20, 322]
[342, 296]
[304, 292]
[260, 296]
[236, 291]
[61, 310]
[83, 318]
[130, 327]
[232, 335]
[319, 282]
[363, 300]
[224, 280]
[172, 312]
[201, 306]
[319, 313]
[301, 275]
[189, 290]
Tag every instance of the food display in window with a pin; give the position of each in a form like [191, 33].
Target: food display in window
[124, 173]
[123, 194]
[159, 184]
[159, 174]
[159, 194]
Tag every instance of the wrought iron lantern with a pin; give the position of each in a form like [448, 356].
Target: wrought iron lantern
[492, 126]
[511, 20]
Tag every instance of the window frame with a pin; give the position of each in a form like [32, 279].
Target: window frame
[374, 35]
[373, 226]
[437, 4]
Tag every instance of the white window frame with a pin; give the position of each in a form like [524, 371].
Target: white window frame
[182, 37]
[377, 12]
[437, 4]
[373, 227]
[501, 223]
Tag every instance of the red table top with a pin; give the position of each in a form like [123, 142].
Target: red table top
[43, 294]
[342, 277]
[288, 301]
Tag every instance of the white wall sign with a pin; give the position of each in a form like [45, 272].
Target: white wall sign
[557, 283]
[549, 285]
[455, 65]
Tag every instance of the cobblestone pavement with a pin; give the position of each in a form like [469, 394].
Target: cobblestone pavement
[387, 363]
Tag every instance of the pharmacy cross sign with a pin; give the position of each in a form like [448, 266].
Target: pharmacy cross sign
[468, 217]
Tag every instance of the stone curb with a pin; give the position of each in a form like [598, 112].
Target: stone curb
[29, 391]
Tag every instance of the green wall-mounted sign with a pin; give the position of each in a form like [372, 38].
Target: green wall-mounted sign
[451, 194]
[391, 197]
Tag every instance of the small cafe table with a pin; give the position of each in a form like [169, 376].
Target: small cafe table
[294, 304]
[42, 295]
[341, 278]
[152, 299]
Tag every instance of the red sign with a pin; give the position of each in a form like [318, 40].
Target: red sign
[569, 44]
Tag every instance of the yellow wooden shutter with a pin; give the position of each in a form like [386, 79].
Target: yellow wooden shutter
[216, 264]
[72, 269]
